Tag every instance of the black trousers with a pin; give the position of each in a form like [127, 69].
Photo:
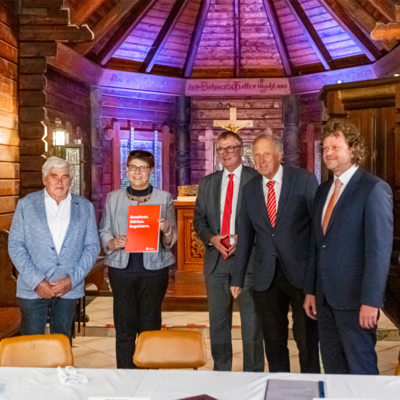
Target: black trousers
[137, 308]
[273, 307]
[346, 347]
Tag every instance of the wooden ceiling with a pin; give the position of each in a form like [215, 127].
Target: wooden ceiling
[232, 38]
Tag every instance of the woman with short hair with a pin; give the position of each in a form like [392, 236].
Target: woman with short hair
[138, 281]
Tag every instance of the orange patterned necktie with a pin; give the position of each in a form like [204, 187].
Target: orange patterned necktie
[331, 204]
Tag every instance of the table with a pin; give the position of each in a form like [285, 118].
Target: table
[43, 384]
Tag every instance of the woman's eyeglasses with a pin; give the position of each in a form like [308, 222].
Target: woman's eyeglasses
[141, 168]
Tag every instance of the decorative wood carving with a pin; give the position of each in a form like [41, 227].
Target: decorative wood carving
[190, 249]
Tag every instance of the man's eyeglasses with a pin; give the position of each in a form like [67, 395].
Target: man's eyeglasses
[134, 168]
[229, 149]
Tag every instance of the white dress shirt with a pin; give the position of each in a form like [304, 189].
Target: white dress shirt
[345, 179]
[224, 187]
[58, 217]
[277, 187]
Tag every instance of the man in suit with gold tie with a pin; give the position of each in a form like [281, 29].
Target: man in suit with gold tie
[352, 244]
[215, 221]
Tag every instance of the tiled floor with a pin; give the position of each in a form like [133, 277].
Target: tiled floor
[99, 352]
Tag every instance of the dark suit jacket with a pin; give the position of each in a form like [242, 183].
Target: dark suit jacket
[351, 262]
[289, 239]
[207, 214]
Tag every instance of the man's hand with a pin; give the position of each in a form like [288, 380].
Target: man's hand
[45, 290]
[216, 242]
[310, 306]
[368, 317]
[232, 249]
[235, 290]
[62, 286]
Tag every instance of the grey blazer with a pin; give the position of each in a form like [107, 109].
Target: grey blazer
[114, 222]
[207, 214]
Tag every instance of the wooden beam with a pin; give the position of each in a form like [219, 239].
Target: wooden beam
[130, 22]
[278, 35]
[364, 19]
[72, 64]
[162, 36]
[196, 37]
[385, 7]
[351, 28]
[236, 17]
[49, 33]
[388, 65]
[311, 33]
[111, 19]
[83, 10]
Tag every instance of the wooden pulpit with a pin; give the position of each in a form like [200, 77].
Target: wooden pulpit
[190, 249]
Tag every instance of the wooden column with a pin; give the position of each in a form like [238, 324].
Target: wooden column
[291, 120]
[183, 141]
[96, 150]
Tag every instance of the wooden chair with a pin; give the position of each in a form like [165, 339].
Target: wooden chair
[397, 371]
[170, 349]
[39, 351]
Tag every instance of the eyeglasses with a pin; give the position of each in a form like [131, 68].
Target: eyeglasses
[229, 149]
[141, 168]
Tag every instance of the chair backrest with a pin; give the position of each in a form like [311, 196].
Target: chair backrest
[170, 349]
[397, 371]
[40, 351]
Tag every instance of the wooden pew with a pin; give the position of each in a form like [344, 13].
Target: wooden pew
[10, 316]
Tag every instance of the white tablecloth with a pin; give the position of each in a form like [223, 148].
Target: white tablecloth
[43, 384]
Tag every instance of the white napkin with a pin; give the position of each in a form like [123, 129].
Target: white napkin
[69, 375]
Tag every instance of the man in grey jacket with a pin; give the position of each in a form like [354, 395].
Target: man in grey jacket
[215, 221]
[53, 244]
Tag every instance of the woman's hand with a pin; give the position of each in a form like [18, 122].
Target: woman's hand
[118, 243]
[164, 226]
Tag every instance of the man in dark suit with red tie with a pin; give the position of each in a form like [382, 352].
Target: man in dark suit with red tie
[352, 244]
[216, 213]
[276, 211]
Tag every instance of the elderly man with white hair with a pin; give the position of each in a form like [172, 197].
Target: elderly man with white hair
[53, 243]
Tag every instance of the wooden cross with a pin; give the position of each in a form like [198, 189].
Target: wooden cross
[233, 124]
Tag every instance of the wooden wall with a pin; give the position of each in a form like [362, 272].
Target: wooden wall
[9, 138]
[69, 100]
[264, 112]
[310, 128]
[144, 112]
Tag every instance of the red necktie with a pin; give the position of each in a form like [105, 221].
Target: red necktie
[271, 202]
[226, 218]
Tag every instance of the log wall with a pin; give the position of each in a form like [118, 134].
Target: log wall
[264, 112]
[9, 136]
[144, 112]
[69, 100]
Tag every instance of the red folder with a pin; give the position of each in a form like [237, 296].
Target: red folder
[143, 231]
